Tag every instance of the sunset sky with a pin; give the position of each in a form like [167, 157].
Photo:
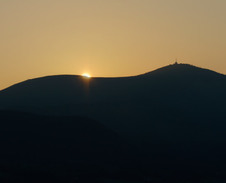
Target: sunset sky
[108, 38]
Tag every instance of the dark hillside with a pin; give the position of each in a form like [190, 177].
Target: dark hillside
[174, 116]
[50, 140]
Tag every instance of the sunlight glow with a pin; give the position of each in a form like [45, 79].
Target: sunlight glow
[86, 75]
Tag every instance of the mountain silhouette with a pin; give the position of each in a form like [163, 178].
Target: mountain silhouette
[54, 91]
[129, 105]
[173, 90]
[174, 116]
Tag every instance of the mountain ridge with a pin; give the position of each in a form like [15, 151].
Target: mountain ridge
[171, 67]
[167, 83]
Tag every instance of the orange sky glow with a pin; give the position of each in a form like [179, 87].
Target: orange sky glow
[108, 38]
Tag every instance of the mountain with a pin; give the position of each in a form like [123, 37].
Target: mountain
[173, 90]
[174, 116]
[129, 105]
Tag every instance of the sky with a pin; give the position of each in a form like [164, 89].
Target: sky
[108, 38]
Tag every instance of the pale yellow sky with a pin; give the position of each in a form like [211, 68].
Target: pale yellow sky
[108, 37]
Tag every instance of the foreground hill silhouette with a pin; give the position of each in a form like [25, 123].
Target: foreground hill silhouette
[37, 145]
[174, 116]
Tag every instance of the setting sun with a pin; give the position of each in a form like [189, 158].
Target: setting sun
[86, 75]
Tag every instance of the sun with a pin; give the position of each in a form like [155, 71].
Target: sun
[86, 75]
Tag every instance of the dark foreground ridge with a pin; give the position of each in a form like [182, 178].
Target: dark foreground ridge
[62, 148]
[167, 125]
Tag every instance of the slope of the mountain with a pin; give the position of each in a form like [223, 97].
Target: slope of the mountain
[38, 139]
[39, 148]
